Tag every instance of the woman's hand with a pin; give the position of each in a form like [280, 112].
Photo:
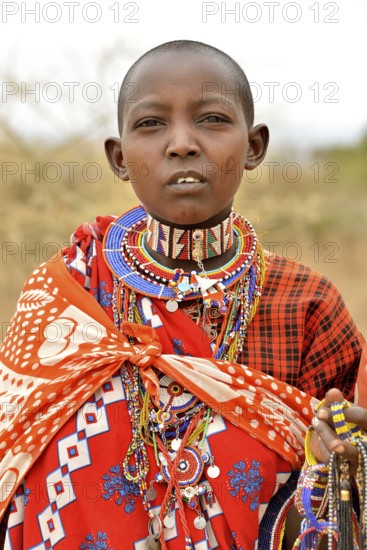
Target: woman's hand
[324, 439]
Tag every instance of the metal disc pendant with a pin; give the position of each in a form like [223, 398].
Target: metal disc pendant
[151, 494]
[152, 543]
[171, 306]
[213, 471]
[175, 444]
[200, 522]
[169, 521]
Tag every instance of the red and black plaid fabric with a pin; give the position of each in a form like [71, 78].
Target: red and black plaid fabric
[302, 332]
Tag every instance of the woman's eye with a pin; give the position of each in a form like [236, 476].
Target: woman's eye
[214, 118]
[148, 123]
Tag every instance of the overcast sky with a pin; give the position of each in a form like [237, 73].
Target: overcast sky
[305, 61]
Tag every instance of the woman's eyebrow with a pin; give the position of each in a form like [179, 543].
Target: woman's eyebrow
[148, 105]
[201, 102]
[215, 100]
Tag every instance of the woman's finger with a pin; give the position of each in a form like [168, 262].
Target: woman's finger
[330, 442]
[333, 396]
[356, 415]
[318, 448]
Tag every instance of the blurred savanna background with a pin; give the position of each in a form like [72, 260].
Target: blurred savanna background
[308, 204]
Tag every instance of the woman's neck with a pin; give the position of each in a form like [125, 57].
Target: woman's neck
[191, 248]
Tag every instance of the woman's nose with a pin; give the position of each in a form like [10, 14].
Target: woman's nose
[182, 143]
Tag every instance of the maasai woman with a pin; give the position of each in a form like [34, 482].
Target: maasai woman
[161, 372]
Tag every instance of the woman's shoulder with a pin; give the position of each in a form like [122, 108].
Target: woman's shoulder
[294, 278]
[92, 230]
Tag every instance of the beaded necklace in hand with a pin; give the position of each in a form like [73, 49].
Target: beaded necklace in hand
[324, 493]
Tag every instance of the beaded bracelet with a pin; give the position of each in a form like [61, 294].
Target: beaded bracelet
[345, 430]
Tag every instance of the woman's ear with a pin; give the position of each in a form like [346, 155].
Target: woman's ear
[258, 144]
[115, 158]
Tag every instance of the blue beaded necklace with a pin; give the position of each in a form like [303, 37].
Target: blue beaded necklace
[121, 257]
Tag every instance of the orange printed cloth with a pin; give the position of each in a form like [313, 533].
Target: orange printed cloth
[61, 347]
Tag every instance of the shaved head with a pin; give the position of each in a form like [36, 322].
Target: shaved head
[196, 48]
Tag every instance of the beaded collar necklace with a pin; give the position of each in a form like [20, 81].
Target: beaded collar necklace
[125, 254]
[188, 244]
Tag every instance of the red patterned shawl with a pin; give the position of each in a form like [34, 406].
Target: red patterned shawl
[62, 346]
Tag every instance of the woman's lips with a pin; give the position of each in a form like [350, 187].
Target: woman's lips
[183, 184]
[188, 179]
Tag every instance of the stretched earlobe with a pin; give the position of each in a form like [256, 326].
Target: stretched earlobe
[258, 145]
[115, 158]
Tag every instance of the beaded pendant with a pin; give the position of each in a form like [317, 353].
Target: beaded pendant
[190, 468]
[174, 396]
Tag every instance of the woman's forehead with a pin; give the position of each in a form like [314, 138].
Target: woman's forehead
[181, 80]
[171, 69]
[177, 79]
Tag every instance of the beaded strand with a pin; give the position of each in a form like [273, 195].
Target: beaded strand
[136, 472]
[361, 480]
[332, 481]
[136, 273]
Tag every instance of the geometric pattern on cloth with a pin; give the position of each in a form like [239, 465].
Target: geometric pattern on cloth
[92, 417]
[111, 391]
[59, 488]
[17, 508]
[63, 480]
[73, 453]
[50, 525]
